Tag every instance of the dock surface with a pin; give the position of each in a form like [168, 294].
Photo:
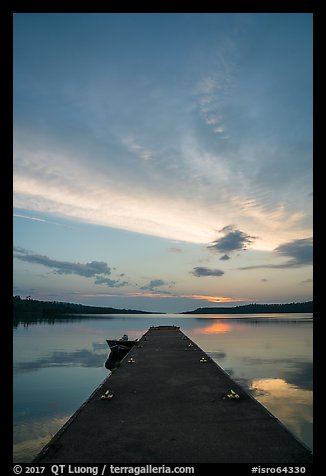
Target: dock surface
[170, 406]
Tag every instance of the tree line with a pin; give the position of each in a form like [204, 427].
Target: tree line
[56, 308]
[53, 308]
[256, 308]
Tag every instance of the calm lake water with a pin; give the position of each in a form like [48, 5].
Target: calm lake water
[58, 364]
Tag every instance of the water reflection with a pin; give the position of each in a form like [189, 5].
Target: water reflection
[297, 372]
[82, 358]
[300, 374]
[31, 437]
[99, 346]
[219, 355]
[20, 319]
[57, 365]
[286, 392]
[287, 402]
[215, 328]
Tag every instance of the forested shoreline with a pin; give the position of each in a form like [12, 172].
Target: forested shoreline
[256, 308]
[34, 307]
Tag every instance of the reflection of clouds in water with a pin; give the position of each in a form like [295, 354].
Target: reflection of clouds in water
[216, 328]
[217, 355]
[288, 396]
[99, 346]
[81, 358]
[289, 403]
[293, 371]
[265, 361]
[31, 437]
[300, 374]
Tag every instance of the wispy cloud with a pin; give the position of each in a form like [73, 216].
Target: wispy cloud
[93, 269]
[300, 251]
[158, 200]
[212, 92]
[112, 283]
[119, 198]
[156, 283]
[196, 297]
[20, 249]
[162, 295]
[135, 147]
[18, 215]
[128, 167]
[42, 220]
[202, 271]
[65, 267]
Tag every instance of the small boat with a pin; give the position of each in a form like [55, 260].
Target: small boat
[121, 343]
[119, 349]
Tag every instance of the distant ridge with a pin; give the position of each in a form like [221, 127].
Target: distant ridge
[256, 308]
[52, 308]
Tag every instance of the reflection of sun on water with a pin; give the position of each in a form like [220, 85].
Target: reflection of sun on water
[285, 401]
[216, 328]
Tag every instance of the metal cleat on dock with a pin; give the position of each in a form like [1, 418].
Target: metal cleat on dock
[107, 395]
[233, 395]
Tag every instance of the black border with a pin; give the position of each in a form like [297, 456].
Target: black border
[8, 9]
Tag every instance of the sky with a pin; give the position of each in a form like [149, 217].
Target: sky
[163, 162]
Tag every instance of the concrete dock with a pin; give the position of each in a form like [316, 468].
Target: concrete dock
[170, 405]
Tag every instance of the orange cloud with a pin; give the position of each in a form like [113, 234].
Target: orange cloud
[221, 299]
[215, 298]
[150, 295]
[83, 295]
